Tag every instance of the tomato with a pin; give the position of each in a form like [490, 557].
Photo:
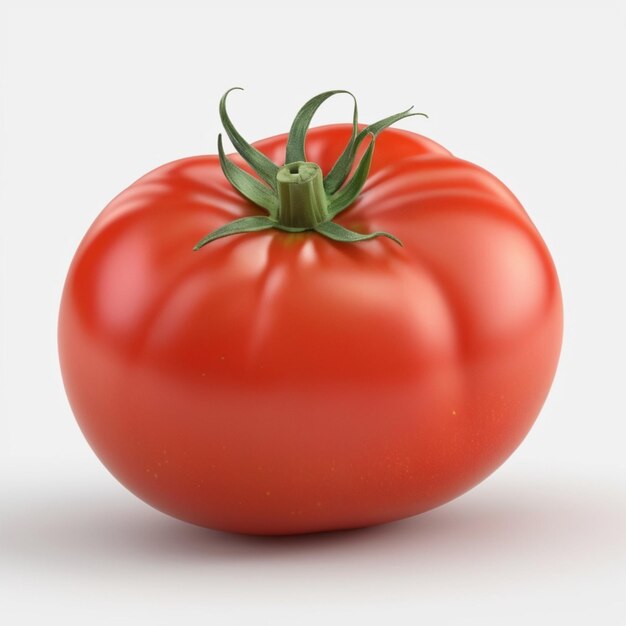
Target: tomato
[280, 382]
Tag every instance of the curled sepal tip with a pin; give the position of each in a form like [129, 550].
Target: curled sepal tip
[340, 170]
[302, 121]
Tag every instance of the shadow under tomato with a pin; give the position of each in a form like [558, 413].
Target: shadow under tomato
[79, 529]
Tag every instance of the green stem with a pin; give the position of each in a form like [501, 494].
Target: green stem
[302, 201]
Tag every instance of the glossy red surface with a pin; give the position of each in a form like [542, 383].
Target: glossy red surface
[284, 383]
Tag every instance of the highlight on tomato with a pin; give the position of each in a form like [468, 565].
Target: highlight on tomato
[333, 328]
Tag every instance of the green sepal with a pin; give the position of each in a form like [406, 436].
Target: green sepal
[246, 184]
[340, 170]
[336, 232]
[263, 166]
[300, 126]
[348, 194]
[242, 225]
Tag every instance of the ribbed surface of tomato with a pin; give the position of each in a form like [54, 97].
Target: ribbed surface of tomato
[279, 383]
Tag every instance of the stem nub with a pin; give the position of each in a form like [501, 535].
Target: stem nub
[302, 201]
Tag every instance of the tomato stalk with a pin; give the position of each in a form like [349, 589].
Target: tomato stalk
[302, 200]
[296, 197]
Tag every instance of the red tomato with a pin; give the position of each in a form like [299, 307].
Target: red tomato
[280, 382]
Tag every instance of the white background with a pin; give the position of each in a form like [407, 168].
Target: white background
[95, 95]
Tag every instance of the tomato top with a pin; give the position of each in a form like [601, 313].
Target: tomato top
[298, 196]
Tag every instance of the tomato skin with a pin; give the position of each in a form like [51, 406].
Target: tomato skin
[276, 383]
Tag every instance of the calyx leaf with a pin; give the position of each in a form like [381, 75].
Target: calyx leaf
[242, 225]
[265, 168]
